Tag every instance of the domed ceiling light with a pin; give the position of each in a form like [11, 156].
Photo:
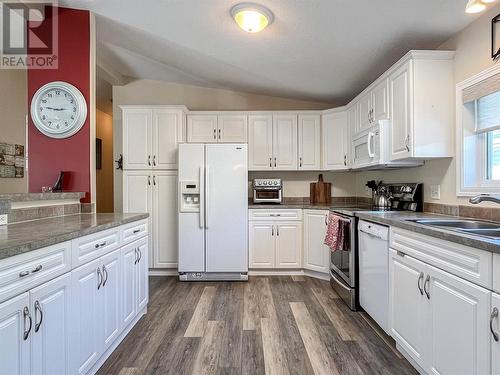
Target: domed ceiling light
[476, 6]
[252, 17]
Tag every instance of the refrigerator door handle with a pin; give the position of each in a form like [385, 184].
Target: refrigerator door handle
[202, 197]
[207, 195]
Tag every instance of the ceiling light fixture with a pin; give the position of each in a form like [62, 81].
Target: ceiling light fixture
[252, 17]
[475, 6]
[488, 1]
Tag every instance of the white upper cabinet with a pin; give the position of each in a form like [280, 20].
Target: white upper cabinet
[285, 142]
[232, 128]
[151, 136]
[421, 106]
[401, 112]
[260, 142]
[309, 128]
[168, 132]
[217, 127]
[137, 137]
[380, 101]
[336, 140]
[365, 111]
[201, 128]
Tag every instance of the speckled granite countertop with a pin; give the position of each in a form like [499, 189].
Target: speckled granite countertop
[399, 219]
[25, 197]
[23, 237]
[301, 205]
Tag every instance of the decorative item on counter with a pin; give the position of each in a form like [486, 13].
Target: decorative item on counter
[46, 189]
[119, 162]
[57, 188]
[320, 192]
[11, 160]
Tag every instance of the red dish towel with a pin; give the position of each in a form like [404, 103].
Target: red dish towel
[334, 238]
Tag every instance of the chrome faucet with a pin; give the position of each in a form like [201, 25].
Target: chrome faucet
[485, 198]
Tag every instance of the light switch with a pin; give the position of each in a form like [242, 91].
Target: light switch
[435, 191]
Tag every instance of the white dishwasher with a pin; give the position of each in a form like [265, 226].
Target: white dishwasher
[373, 245]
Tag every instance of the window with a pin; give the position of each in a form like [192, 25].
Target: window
[478, 134]
[493, 155]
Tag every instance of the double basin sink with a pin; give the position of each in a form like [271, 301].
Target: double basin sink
[472, 227]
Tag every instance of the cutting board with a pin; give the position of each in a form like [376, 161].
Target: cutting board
[321, 192]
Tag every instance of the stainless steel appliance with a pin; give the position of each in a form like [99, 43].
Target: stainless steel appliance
[267, 190]
[344, 264]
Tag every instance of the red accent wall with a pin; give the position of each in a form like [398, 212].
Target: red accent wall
[48, 156]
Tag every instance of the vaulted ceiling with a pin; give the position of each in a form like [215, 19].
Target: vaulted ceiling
[324, 50]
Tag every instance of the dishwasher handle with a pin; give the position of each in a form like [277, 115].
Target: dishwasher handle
[372, 234]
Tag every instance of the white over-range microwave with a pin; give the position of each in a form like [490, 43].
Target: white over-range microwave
[371, 149]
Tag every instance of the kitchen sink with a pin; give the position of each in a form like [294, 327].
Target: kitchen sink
[458, 224]
[472, 227]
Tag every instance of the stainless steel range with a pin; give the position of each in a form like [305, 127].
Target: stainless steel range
[267, 190]
[344, 263]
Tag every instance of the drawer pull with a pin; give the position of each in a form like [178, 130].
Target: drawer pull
[38, 308]
[37, 269]
[98, 245]
[136, 231]
[24, 273]
[26, 314]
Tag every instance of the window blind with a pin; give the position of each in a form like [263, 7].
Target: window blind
[488, 113]
[482, 89]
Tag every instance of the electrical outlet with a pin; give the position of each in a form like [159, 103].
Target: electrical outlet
[3, 219]
[435, 191]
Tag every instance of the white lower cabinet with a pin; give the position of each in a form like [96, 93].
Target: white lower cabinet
[438, 319]
[275, 244]
[110, 298]
[50, 335]
[495, 333]
[316, 253]
[15, 349]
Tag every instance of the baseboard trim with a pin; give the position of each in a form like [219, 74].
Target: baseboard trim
[164, 272]
[117, 342]
[410, 359]
[255, 272]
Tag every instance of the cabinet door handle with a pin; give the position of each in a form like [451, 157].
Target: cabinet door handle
[300, 162]
[326, 220]
[154, 160]
[140, 255]
[219, 133]
[215, 133]
[149, 160]
[275, 162]
[24, 273]
[420, 279]
[154, 180]
[136, 255]
[272, 230]
[38, 308]
[149, 180]
[105, 273]
[277, 230]
[345, 160]
[270, 162]
[427, 282]
[99, 278]
[407, 143]
[26, 314]
[494, 314]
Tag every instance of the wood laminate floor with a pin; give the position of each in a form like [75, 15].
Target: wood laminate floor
[269, 325]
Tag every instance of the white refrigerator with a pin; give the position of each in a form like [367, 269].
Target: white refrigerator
[213, 211]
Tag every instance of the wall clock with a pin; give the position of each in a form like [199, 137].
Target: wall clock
[58, 109]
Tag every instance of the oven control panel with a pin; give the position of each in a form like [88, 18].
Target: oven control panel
[267, 183]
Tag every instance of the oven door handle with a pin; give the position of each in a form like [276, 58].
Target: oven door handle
[371, 234]
[339, 282]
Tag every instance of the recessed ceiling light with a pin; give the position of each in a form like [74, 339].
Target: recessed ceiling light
[252, 17]
[474, 6]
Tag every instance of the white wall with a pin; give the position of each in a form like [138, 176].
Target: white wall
[472, 46]
[150, 92]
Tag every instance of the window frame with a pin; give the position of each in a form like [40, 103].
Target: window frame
[465, 125]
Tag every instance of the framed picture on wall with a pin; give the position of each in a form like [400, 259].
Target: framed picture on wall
[98, 153]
